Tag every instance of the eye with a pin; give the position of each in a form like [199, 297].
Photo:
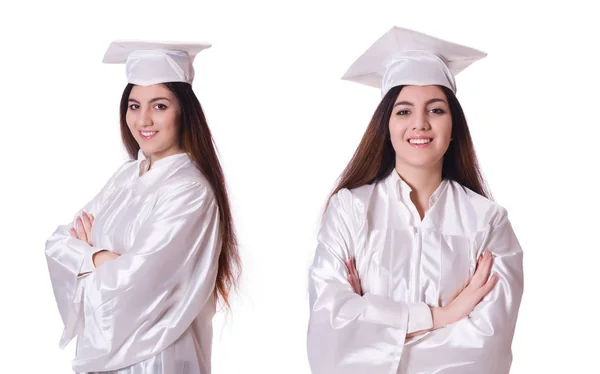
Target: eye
[160, 106]
[134, 107]
[402, 112]
[437, 111]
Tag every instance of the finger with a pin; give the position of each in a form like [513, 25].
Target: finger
[489, 286]
[357, 276]
[354, 269]
[87, 225]
[352, 282]
[477, 280]
[350, 266]
[348, 270]
[487, 267]
[352, 279]
[80, 230]
[357, 287]
[73, 233]
[92, 218]
[482, 272]
[478, 264]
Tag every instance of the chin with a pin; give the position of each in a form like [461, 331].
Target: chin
[421, 163]
[148, 150]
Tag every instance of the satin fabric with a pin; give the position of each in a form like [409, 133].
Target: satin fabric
[150, 310]
[419, 68]
[402, 262]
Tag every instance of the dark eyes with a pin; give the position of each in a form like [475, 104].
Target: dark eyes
[157, 106]
[405, 112]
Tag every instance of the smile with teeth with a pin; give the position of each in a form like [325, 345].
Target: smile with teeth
[148, 134]
[420, 141]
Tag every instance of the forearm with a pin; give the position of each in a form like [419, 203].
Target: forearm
[439, 316]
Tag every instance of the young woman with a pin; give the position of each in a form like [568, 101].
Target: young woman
[139, 272]
[416, 270]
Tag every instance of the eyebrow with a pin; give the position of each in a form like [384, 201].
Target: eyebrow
[151, 101]
[431, 101]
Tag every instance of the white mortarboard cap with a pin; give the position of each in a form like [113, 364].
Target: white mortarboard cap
[149, 63]
[406, 57]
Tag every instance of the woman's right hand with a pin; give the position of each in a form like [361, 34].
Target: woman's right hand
[480, 285]
[104, 256]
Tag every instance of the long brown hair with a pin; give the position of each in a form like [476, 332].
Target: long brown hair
[195, 138]
[375, 158]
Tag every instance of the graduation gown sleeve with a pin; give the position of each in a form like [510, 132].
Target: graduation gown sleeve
[67, 257]
[348, 333]
[482, 342]
[140, 303]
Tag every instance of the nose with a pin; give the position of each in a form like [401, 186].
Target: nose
[144, 118]
[421, 122]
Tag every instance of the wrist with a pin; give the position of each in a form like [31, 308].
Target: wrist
[96, 259]
[440, 317]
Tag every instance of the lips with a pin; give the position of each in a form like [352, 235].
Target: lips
[147, 135]
[420, 142]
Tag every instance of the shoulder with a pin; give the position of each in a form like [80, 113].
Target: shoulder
[122, 175]
[484, 209]
[189, 188]
[355, 201]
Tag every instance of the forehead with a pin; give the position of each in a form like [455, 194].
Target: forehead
[150, 92]
[415, 94]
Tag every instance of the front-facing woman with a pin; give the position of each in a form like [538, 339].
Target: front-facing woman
[416, 270]
[139, 272]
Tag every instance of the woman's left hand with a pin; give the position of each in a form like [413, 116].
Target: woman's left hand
[83, 228]
[353, 277]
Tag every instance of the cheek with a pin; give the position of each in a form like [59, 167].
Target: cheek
[130, 120]
[397, 131]
[445, 133]
[169, 123]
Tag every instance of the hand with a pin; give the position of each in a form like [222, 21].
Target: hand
[83, 231]
[353, 277]
[480, 285]
[103, 256]
[83, 228]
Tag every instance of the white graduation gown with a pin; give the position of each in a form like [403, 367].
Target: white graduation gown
[150, 310]
[405, 266]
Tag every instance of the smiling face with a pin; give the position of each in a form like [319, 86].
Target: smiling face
[420, 127]
[153, 118]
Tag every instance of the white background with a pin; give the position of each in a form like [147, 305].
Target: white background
[285, 126]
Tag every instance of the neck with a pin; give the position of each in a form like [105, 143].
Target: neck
[423, 182]
[154, 157]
